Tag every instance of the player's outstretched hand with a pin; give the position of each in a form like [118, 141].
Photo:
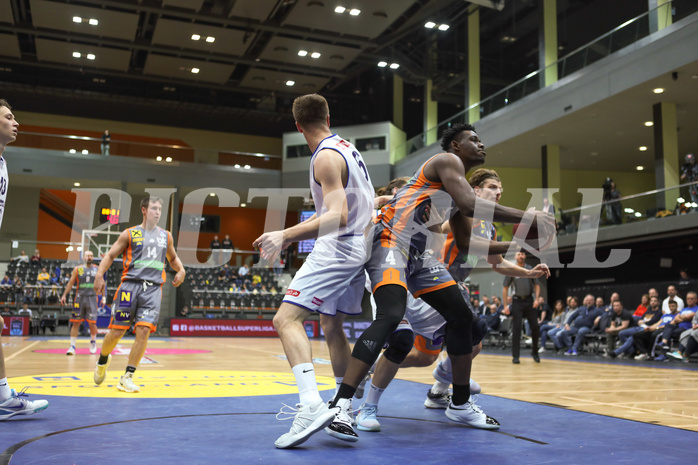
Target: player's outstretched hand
[540, 270]
[270, 244]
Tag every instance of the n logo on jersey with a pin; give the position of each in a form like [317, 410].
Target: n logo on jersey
[125, 299]
[136, 233]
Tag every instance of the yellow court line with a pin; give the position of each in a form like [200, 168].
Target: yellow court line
[20, 351]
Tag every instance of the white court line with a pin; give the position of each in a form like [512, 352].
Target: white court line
[23, 350]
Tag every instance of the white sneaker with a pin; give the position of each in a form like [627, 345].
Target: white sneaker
[308, 420]
[472, 415]
[642, 357]
[366, 419]
[17, 405]
[438, 401]
[541, 350]
[360, 389]
[71, 351]
[446, 377]
[93, 347]
[341, 426]
[101, 371]
[126, 384]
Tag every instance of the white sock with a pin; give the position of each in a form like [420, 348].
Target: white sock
[5, 391]
[338, 380]
[307, 385]
[446, 365]
[73, 340]
[439, 387]
[374, 395]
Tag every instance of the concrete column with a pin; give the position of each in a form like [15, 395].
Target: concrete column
[666, 154]
[547, 42]
[473, 63]
[431, 115]
[660, 14]
[398, 102]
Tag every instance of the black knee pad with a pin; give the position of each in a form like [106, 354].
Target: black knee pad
[400, 344]
[390, 301]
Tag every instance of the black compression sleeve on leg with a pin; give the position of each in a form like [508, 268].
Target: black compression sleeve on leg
[391, 300]
[450, 304]
[400, 344]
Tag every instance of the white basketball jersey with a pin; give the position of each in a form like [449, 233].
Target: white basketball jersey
[359, 190]
[3, 186]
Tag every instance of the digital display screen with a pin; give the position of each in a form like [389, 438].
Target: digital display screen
[306, 246]
[109, 214]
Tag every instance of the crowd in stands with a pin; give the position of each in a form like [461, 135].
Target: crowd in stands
[659, 328]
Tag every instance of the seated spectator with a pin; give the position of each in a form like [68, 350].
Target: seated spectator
[672, 295]
[184, 311]
[40, 294]
[680, 323]
[36, 258]
[621, 319]
[642, 308]
[688, 342]
[492, 318]
[580, 323]
[557, 321]
[243, 271]
[43, 277]
[649, 318]
[6, 311]
[22, 257]
[6, 281]
[53, 279]
[498, 302]
[223, 273]
[644, 340]
[256, 279]
[25, 310]
[273, 290]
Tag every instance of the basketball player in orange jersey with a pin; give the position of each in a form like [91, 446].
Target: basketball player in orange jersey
[400, 262]
[137, 300]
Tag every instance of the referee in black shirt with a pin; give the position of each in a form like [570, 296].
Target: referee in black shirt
[522, 305]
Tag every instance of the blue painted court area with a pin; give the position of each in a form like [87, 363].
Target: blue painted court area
[243, 430]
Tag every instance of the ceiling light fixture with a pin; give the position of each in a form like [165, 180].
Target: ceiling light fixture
[91, 56]
[72, 151]
[649, 123]
[77, 54]
[85, 152]
[394, 65]
[639, 168]
[247, 167]
[168, 159]
[315, 55]
[77, 19]
[430, 25]
[212, 194]
[158, 158]
[340, 9]
[195, 70]
[243, 205]
[93, 22]
[444, 27]
[210, 39]
[643, 148]
[354, 12]
[382, 64]
[195, 37]
[76, 184]
[302, 53]
[290, 83]
[658, 90]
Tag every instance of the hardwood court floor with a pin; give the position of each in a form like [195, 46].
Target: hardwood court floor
[651, 392]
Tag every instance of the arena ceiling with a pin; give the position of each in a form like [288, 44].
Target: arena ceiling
[235, 65]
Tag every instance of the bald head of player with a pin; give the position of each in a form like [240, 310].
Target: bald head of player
[462, 141]
[311, 112]
[8, 125]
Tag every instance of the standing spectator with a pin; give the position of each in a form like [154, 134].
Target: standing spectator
[215, 248]
[611, 200]
[36, 258]
[227, 244]
[684, 283]
[19, 289]
[522, 305]
[672, 295]
[621, 319]
[689, 173]
[642, 308]
[106, 138]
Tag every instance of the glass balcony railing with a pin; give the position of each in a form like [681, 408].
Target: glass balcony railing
[647, 206]
[603, 46]
[166, 152]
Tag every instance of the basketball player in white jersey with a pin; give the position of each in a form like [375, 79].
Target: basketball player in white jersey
[11, 402]
[331, 280]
